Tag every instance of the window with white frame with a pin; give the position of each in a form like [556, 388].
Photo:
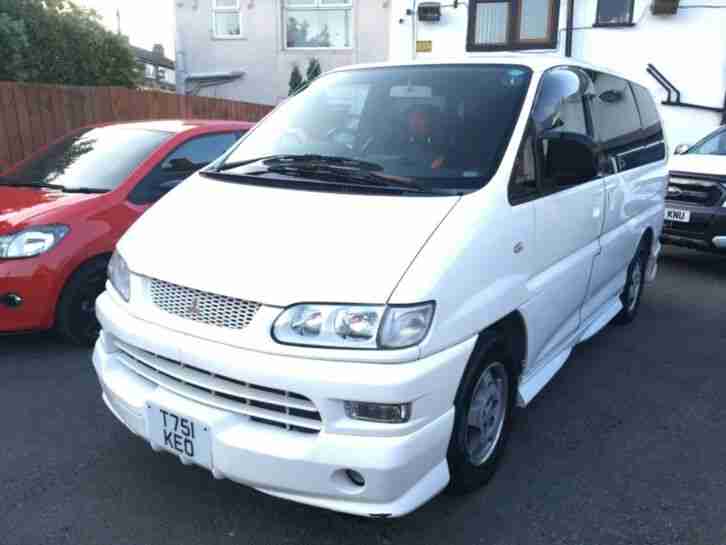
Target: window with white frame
[227, 18]
[321, 24]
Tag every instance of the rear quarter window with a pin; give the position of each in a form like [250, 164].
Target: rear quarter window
[653, 139]
[614, 112]
[648, 111]
[628, 129]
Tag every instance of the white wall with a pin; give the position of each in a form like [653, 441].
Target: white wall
[260, 53]
[689, 48]
[448, 35]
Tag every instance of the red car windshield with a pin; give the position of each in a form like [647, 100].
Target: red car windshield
[98, 159]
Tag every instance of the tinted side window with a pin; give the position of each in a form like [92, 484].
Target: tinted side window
[617, 125]
[614, 114]
[180, 164]
[560, 105]
[655, 148]
[560, 108]
[648, 110]
[199, 152]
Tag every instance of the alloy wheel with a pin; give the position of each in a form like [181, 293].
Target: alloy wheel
[487, 413]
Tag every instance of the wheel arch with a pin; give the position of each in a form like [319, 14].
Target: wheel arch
[67, 280]
[512, 330]
[647, 238]
[508, 333]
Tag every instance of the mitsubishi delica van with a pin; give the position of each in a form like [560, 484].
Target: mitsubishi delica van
[347, 308]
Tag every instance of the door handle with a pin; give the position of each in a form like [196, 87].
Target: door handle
[518, 247]
[610, 191]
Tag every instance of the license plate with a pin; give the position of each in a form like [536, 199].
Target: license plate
[179, 434]
[677, 214]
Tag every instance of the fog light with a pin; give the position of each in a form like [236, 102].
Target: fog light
[355, 477]
[11, 300]
[378, 412]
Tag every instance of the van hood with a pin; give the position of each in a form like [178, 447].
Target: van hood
[282, 246]
[22, 207]
[714, 165]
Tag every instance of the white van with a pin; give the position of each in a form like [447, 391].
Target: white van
[346, 308]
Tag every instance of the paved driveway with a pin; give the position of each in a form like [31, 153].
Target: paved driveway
[627, 445]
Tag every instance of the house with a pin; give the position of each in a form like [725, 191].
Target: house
[675, 48]
[246, 49]
[158, 70]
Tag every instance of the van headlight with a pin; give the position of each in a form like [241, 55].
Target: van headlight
[119, 275]
[32, 241]
[354, 326]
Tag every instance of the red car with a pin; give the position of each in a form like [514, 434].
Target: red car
[63, 210]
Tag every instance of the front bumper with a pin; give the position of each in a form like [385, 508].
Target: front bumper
[38, 287]
[404, 465]
[706, 230]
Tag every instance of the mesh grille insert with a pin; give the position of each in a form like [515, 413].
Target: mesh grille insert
[201, 306]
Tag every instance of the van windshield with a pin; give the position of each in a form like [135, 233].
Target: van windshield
[440, 127]
[713, 144]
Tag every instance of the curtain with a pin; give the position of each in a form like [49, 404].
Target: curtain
[492, 20]
[535, 20]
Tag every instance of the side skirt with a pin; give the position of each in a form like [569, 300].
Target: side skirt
[534, 384]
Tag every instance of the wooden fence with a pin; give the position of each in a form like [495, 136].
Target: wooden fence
[33, 115]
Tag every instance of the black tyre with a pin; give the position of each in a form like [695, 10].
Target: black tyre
[76, 313]
[633, 290]
[484, 407]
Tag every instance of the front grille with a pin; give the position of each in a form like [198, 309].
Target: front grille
[690, 189]
[201, 306]
[279, 408]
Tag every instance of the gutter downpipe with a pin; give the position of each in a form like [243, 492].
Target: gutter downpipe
[569, 28]
[414, 19]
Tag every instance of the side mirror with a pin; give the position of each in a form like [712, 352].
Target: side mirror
[570, 158]
[681, 149]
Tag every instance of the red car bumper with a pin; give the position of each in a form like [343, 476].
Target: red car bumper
[37, 285]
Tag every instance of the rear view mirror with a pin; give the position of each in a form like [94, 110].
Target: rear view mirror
[170, 184]
[681, 149]
[182, 164]
[410, 91]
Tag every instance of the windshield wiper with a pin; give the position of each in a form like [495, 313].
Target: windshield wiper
[342, 170]
[339, 175]
[307, 158]
[348, 176]
[7, 182]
